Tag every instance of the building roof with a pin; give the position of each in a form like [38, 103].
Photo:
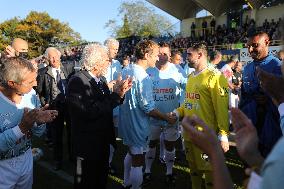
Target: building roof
[182, 9]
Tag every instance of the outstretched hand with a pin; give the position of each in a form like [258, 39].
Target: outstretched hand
[272, 84]
[201, 135]
[246, 138]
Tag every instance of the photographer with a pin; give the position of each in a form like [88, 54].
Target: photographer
[18, 48]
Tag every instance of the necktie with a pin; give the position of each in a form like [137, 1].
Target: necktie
[100, 84]
[59, 82]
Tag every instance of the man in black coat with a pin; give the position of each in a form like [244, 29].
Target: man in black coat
[52, 83]
[90, 105]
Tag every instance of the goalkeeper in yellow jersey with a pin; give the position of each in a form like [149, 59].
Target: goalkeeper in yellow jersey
[207, 97]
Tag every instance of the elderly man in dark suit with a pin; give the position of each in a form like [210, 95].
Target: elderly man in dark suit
[90, 105]
[52, 83]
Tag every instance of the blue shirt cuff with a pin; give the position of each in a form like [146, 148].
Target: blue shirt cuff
[177, 114]
[17, 131]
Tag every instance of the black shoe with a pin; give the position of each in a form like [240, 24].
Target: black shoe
[171, 179]
[112, 170]
[58, 166]
[147, 178]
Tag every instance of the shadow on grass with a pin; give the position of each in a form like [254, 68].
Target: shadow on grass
[46, 179]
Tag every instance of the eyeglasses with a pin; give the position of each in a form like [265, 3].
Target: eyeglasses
[254, 45]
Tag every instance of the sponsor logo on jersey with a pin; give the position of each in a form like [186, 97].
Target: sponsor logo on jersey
[223, 91]
[191, 106]
[205, 157]
[192, 96]
[164, 97]
[164, 94]
[163, 90]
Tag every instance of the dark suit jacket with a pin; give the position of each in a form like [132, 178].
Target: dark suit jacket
[45, 80]
[90, 107]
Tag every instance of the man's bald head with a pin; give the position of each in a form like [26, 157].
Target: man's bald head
[20, 45]
[18, 48]
[53, 57]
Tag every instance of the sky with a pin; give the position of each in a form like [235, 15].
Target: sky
[88, 17]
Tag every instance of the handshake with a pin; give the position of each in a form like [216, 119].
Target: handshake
[36, 116]
[171, 118]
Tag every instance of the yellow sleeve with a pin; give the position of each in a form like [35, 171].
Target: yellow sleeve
[180, 111]
[220, 99]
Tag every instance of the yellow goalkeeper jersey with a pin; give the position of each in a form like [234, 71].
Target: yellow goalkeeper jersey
[207, 96]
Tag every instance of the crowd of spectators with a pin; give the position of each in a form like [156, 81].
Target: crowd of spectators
[73, 53]
[220, 35]
[224, 35]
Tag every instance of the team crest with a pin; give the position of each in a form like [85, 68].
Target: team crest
[204, 157]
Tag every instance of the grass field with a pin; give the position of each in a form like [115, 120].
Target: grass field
[46, 178]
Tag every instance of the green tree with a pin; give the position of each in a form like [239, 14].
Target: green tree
[124, 31]
[139, 20]
[40, 30]
[7, 31]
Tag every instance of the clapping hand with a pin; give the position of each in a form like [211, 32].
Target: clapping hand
[113, 82]
[44, 115]
[37, 115]
[122, 86]
[28, 120]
